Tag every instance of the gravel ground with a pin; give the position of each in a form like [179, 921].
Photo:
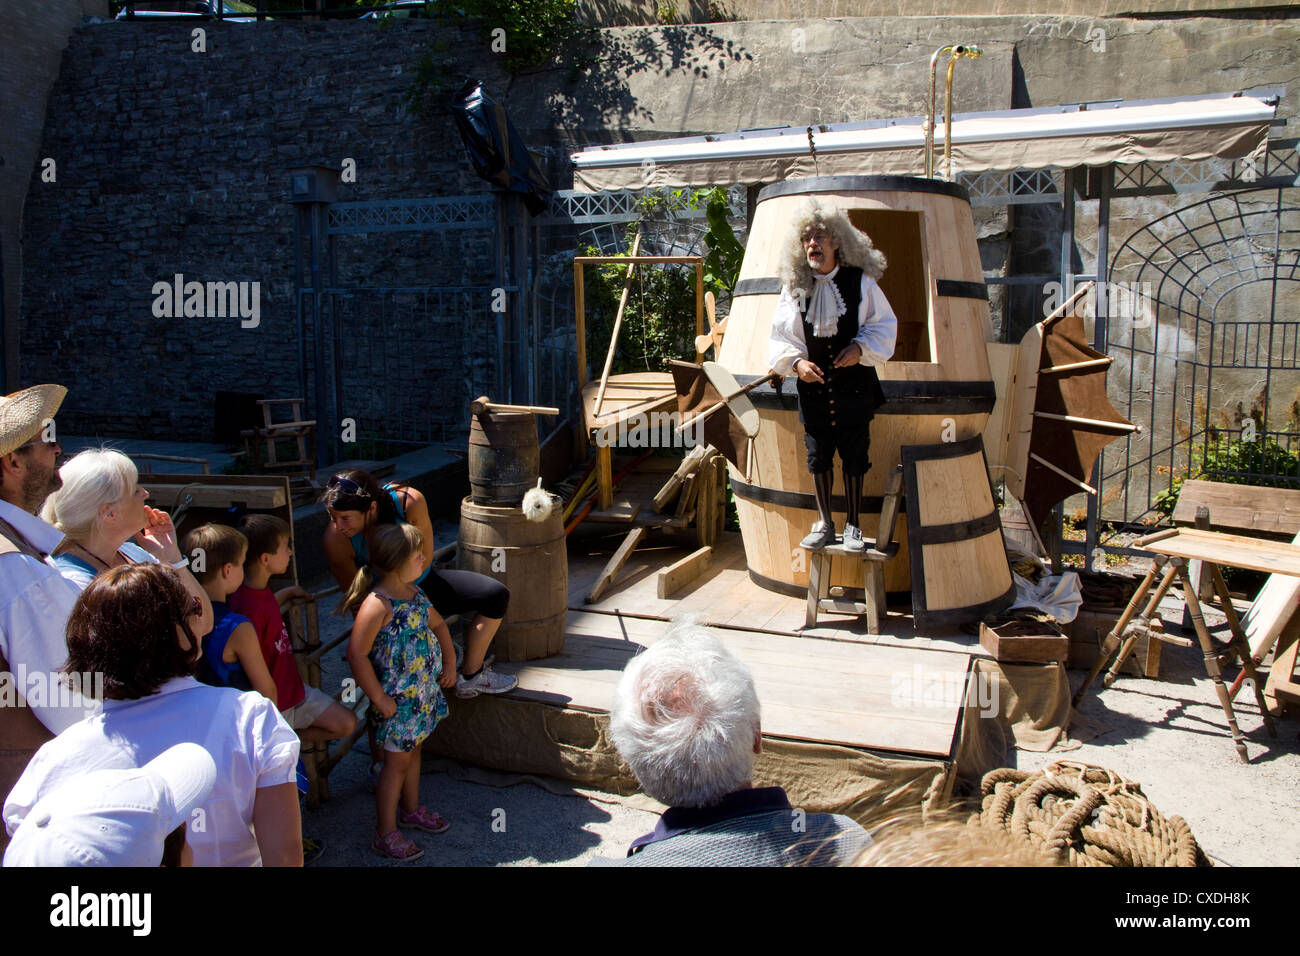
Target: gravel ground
[1171, 736]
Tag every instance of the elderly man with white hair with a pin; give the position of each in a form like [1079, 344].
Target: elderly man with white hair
[686, 719]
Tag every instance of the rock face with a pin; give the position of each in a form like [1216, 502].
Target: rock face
[174, 161]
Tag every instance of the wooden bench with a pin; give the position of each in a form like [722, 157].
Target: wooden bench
[874, 557]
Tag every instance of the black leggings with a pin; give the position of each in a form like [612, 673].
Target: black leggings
[463, 592]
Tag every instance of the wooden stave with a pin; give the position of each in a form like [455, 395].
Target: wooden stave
[954, 543]
[520, 638]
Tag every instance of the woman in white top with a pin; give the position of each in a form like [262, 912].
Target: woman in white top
[101, 511]
[134, 625]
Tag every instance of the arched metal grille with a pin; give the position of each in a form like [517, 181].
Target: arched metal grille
[1202, 315]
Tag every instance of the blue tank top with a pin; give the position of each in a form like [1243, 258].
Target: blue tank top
[359, 539]
[212, 669]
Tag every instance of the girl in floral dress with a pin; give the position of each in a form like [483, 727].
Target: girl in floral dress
[396, 652]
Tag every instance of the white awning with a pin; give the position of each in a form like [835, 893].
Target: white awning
[1227, 125]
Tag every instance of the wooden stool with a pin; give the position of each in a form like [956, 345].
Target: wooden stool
[875, 555]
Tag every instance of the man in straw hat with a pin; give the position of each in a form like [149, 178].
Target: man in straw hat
[35, 600]
[831, 325]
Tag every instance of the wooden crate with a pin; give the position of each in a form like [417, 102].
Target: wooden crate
[1025, 642]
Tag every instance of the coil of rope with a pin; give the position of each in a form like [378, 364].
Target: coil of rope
[1076, 814]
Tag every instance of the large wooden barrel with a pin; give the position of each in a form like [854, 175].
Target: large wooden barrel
[937, 387]
[529, 558]
[504, 457]
[959, 560]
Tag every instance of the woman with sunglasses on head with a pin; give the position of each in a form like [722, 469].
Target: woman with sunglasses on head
[357, 505]
[136, 625]
[100, 508]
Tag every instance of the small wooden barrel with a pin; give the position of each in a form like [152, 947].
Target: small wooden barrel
[503, 457]
[937, 386]
[959, 561]
[529, 558]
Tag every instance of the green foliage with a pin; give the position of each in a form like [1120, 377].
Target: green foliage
[722, 264]
[1262, 462]
[725, 253]
[658, 323]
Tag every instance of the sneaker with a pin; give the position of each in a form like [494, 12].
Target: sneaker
[822, 536]
[853, 539]
[486, 681]
[423, 819]
[396, 847]
[311, 850]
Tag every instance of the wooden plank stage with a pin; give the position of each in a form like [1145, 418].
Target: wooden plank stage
[834, 684]
[726, 597]
[822, 691]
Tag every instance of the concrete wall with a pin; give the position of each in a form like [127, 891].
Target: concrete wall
[32, 37]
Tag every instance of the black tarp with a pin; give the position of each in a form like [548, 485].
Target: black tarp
[496, 148]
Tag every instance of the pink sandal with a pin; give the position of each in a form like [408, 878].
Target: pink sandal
[396, 847]
[424, 819]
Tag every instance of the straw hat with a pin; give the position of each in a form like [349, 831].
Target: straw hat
[25, 413]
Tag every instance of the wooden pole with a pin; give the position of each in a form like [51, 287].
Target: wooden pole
[1071, 366]
[1091, 422]
[1068, 477]
[726, 398]
[699, 298]
[618, 324]
[1062, 310]
[579, 309]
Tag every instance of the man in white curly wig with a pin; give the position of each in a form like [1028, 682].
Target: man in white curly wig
[686, 719]
[831, 325]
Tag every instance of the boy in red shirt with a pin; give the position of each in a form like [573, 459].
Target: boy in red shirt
[312, 713]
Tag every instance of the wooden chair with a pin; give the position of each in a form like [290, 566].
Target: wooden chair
[874, 557]
[261, 443]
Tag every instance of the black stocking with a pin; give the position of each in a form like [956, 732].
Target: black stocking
[823, 481]
[853, 491]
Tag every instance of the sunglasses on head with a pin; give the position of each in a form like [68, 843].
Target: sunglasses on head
[347, 486]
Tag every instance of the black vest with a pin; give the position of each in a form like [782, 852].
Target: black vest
[856, 388]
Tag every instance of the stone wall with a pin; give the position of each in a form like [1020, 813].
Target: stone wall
[31, 40]
[175, 161]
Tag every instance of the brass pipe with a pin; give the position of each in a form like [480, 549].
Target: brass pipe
[955, 51]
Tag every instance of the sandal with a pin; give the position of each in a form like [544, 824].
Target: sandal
[424, 819]
[396, 847]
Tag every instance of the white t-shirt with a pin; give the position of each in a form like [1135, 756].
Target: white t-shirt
[251, 744]
[35, 603]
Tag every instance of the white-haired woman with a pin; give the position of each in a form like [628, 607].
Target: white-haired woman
[831, 325]
[102, 513]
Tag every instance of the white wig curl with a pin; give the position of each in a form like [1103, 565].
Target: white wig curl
[684, 718]
[855, 247]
